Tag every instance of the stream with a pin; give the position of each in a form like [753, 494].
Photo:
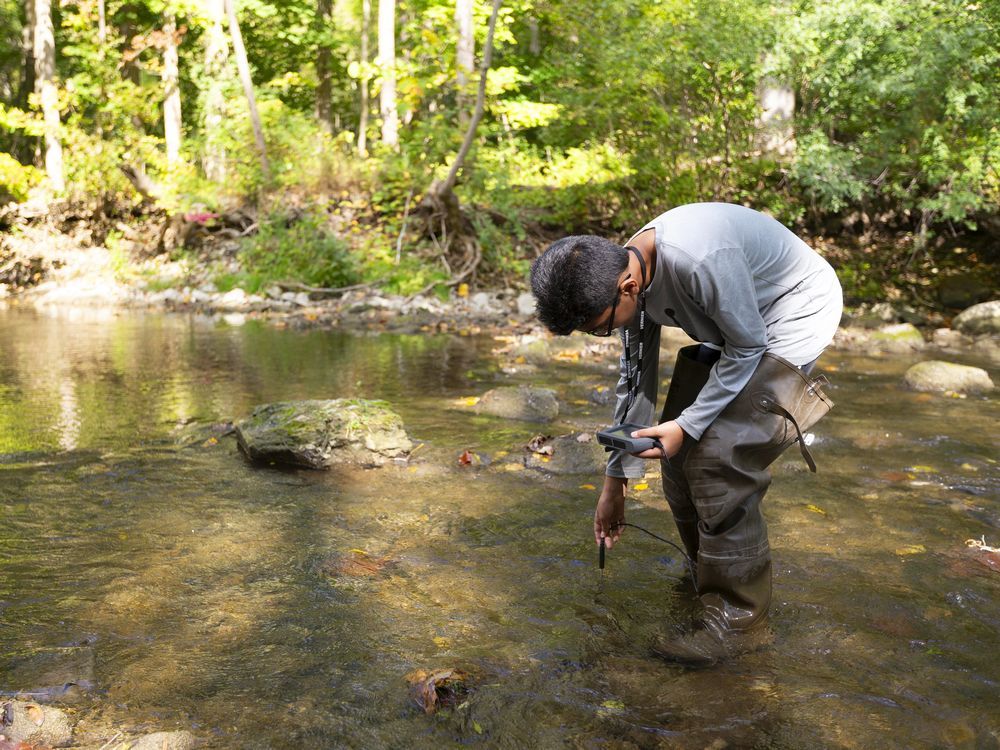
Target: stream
[152, 579]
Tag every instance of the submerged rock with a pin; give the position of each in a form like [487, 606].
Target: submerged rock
[318, 434]
[570, 454]
[181, 740]
[35, 724]
[978, 320]
[521, 402]
[934, 375]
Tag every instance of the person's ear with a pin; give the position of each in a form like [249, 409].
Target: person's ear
[629, 287]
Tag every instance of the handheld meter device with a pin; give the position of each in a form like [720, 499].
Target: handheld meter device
[620, 437]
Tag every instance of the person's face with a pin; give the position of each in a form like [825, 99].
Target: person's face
[621, 310]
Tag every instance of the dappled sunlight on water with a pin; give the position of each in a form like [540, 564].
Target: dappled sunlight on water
[146, 561]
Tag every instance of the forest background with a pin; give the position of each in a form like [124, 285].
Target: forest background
[344, 142]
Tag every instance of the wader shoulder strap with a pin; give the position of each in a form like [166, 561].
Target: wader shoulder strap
[780, 410]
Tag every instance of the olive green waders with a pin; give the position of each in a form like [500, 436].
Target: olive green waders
[715, 486]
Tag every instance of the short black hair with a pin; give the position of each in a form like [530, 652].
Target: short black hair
[575, 280]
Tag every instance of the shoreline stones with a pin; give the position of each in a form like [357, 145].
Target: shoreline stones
[935, 375]
[979, 320]
[34, 724]
[318, 434]
[525, 403]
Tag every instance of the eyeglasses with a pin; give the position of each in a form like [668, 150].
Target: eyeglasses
[611, 318]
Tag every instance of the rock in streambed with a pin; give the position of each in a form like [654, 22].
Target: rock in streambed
[934, 375]
[34, 724]
[318, 434]
[521, 402]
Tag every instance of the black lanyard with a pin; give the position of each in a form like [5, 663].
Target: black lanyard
[633, 376]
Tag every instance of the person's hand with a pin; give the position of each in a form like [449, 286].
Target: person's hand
[669, 433]
[610, 513]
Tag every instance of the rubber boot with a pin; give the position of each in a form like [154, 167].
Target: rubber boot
[727, 473]
[690, 375]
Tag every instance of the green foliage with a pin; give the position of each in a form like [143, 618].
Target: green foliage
[301, 249]
[16, 179]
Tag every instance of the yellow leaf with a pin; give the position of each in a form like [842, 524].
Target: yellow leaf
[463, 290]
[468, 401]
[924, 469]
[210, 442]
[519, 360]
[911, 549]
[816, 509]
[641, 486]
[568, 356]
[500, 454]
[441, 642]
[587, 487]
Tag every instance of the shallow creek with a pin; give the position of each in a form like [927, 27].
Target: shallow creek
[145, 565]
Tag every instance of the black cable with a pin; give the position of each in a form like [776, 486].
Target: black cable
[687, 559]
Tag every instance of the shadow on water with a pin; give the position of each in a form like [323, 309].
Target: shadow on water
[153, 579]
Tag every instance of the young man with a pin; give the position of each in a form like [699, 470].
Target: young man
[764, 306]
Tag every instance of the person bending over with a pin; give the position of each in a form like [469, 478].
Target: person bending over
[763, 306]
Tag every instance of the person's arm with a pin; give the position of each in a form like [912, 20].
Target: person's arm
[722, 286]
[610, 512]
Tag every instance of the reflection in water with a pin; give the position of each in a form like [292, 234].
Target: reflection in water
[170, 584]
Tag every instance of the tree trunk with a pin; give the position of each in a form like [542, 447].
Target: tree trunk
[449, 182]
[440, 206]
[324, 109]
[387, 65]
[102, 23]
[45, 86]
[171, 92]
[244, 69]
[465, 55]
[216, 59]
[366, 18]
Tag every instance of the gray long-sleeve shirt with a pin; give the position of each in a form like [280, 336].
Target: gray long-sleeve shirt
[737, 280]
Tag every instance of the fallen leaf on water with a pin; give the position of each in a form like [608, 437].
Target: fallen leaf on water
[911, 549]
[540, 444]
[500, 454]
[568, 356]
[468, 458]
[210, 442]
[468, 401]
[641, 486]
[441, 642]
[587, 487]
[816, 509]
[923, 469]
[477, 727]
[463, 290]
[439, 688]
[357, 564]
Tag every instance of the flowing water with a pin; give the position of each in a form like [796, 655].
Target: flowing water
[151, 579]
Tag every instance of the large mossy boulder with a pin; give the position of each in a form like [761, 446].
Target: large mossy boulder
[934, 375]
[979, 320]
[520, 402]
[319, 434]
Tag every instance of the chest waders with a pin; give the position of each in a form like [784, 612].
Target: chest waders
[715, 486]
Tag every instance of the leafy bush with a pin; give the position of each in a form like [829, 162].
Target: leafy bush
[16, 179]
[301, 250]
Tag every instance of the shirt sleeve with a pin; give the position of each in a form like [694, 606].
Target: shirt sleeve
[620, 463]
[722, 286]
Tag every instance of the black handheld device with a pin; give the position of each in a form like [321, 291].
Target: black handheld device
[620, 437]
[600, 555]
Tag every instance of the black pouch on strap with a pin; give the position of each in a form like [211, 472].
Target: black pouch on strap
[782, 388]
